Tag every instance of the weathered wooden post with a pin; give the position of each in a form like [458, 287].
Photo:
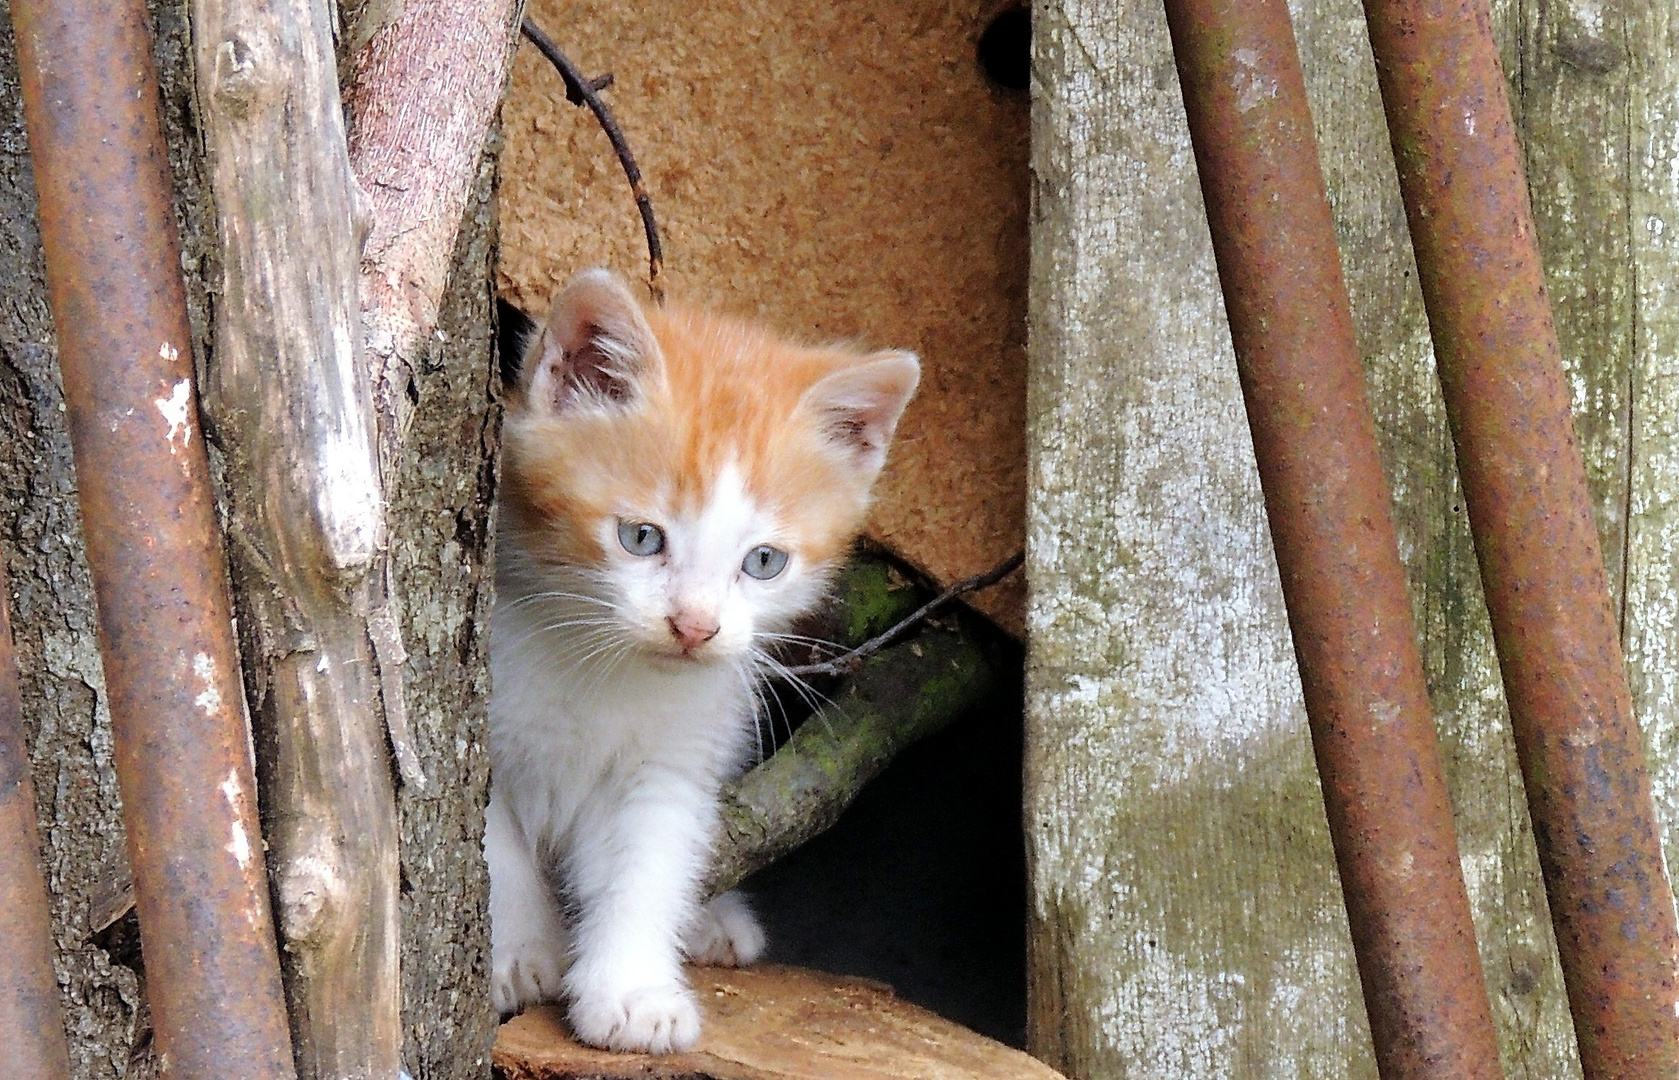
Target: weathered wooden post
[1331, 523]
[1559, 648]
[1185, 913]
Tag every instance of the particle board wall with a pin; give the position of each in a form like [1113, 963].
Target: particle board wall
[841, 171]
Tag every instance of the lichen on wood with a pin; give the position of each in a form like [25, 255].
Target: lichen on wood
[53, 616]
[294, 416]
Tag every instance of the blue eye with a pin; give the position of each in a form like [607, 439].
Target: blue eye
[640, 538]
[764, 562]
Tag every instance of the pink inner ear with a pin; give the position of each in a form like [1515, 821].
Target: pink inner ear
[595, 367]
[595, 346]
[864, 402]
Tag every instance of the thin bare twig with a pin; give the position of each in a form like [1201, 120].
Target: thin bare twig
[851, 661]
[581, 91]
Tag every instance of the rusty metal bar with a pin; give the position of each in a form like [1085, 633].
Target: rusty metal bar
[183, 763]
[32, 1040]
[1328, 504]
[1524, 482]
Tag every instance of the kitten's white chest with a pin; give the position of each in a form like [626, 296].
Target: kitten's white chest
[568, 727]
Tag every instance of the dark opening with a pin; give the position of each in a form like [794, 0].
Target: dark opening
[922, 883]
[1005, 49]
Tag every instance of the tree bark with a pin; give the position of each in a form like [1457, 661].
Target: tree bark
[440, 503]
[53, 615]
[422, 97]
[438, 506]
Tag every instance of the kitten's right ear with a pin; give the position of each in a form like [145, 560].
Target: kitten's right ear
[596, 346]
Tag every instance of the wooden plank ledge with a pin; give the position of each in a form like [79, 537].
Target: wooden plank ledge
[777, 1023]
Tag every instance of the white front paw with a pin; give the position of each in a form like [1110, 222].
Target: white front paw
[725, 933]
[527, 972]
[649, 1019]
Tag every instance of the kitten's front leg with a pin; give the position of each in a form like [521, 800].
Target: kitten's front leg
[527, 934]
[634, 880]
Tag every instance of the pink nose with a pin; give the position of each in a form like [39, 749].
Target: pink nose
[691, 630]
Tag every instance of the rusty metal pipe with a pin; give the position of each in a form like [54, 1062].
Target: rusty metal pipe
[31, 1027]
[1524, 482]
[183, 763]
[1328, 505]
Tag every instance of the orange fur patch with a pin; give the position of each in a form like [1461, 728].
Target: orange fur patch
[728, 392]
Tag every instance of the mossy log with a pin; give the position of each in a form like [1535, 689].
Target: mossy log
[898, 697]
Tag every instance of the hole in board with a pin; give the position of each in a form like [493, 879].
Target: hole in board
[1005, 48]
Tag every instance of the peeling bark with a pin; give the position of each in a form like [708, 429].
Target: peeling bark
[421, 97]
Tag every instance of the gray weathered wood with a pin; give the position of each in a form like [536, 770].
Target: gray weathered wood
[294, 415]
[1186, 916]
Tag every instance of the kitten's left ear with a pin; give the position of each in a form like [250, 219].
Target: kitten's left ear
[595, 347]
[861, 403]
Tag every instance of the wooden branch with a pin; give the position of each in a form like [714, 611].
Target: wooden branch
[290, 405]
[899, 697]
[421, 98]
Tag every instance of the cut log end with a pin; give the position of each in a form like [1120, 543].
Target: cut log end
[777, 1023]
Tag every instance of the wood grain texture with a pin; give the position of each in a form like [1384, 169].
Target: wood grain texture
[778, 1023]
[1186, 919]
[422, 96]
[292, 411]
[1650, 622]
[1184, 902]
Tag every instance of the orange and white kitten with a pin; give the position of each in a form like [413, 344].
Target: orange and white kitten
[677, 488]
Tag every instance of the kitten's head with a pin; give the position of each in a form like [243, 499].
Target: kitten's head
[697, 477]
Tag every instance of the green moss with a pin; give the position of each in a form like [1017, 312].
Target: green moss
[872, 597]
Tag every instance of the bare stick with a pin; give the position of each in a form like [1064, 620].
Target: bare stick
[336, 253]
[581, 91]
[421, 99]
[851, 661]
[290, 403]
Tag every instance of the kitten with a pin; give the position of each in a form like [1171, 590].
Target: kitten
[677, 488]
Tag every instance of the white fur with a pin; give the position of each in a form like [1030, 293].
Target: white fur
[608, 747]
